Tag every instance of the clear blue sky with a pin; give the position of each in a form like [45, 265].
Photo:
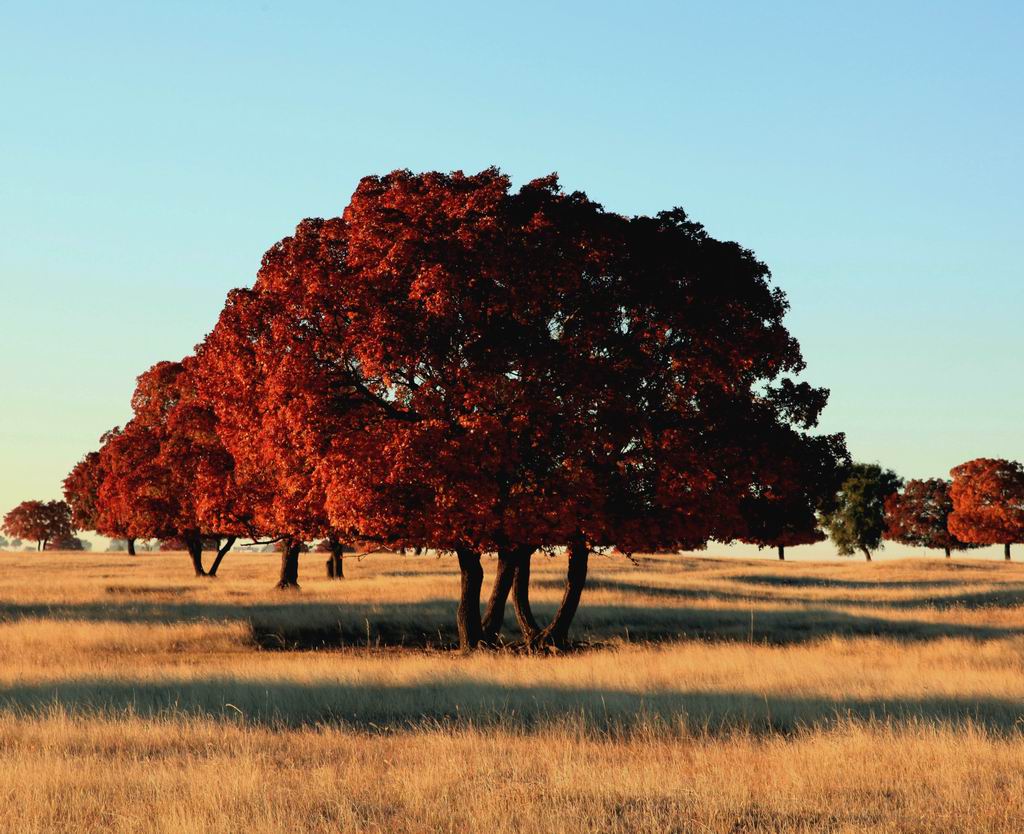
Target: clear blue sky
[870, 153]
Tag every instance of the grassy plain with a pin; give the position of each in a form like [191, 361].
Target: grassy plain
[711, 695]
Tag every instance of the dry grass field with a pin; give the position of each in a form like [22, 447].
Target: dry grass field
[710, 695]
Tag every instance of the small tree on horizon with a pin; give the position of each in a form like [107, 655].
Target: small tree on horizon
[988, 502]
[69, 543]
[918, 516]
[798, 478]
[857, 522]
[39, 521]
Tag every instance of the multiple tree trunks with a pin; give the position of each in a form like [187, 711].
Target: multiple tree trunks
[222, 550]
[509, 561]
[512, 576]
[867, 553]
[290, 565]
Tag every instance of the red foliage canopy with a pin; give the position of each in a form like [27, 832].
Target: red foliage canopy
[988, 502]
[81, 491]
[160, 471]
[918, 516]
[453, 364]
[261, 381]
[39, 521]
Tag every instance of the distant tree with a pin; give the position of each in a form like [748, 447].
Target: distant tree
[15, 543]
[69, 543]
[3, 542]
[41, 521]
[82, 491]
[177, 543]
[857, 521]
[796, 477]
[81, 487]
[918, 516]
[160, 468]
[117, 546]
[781, 524]
[248, 367]
[988, 502]
[337, 548]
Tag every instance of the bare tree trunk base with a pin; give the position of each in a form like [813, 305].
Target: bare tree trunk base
[467, 615]
[528, 625]
[555, 636]
[509, 561]
[222, 551]
[289, 580]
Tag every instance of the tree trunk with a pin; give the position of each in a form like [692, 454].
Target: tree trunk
[521, 600]
[468, 613]
[337, 570]
[782, 553]
[290, 566]
[947, 553]
[221, 553]
[194, 545]
[867, 553]
[504, 578]
[1006, 551]
[557, 632]
[131, 546]
[418, 550]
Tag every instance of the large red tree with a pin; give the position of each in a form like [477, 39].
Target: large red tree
[988, 502]
[918, 516]
[476, 369]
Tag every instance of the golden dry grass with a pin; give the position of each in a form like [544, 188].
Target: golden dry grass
[721, 695]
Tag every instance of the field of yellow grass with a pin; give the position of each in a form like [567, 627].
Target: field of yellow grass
[709, 695]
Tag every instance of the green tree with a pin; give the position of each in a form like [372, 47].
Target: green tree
[858, 520]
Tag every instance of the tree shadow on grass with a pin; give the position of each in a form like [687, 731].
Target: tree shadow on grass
[772, 627]
[782, 581]
[464, 703]
[1010, 597]
[301, 625]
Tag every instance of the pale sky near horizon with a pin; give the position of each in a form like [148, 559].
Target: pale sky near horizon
[869, 153]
